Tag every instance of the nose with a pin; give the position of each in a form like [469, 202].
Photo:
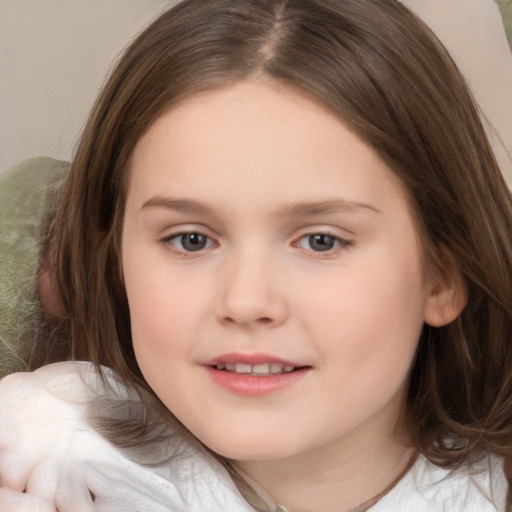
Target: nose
[250, 293]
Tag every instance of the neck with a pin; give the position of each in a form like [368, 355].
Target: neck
[337, 477]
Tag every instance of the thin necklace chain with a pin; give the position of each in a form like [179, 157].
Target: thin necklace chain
[362, 508]
[251, 496]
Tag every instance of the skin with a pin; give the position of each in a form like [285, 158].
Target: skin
[256, 168]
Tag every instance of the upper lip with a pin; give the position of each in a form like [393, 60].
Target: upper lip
[252, 359]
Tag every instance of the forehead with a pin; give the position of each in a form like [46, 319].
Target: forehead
[257, 135]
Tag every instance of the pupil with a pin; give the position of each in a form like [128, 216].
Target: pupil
[193, 241]
[321, 242]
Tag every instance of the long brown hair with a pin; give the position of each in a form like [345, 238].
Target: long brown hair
[377, 67]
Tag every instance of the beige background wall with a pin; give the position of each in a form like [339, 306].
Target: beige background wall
[54, 55]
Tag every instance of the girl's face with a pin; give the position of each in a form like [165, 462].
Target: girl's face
[273, 273]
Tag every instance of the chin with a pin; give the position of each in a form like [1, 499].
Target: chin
[249, 450]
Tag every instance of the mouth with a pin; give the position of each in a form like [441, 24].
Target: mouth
[255, 375]
[257, 370]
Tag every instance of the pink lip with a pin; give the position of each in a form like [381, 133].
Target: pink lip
[251, 385]
[250, 359]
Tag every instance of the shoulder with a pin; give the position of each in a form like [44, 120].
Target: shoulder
[53, 393]
[70, 412]
[482, 487]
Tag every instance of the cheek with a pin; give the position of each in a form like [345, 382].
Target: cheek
[160, 315]
[159, 324]
[166, 304]
[370, 319]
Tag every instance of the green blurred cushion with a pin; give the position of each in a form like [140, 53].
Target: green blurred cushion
[506, 13]
[24, 192]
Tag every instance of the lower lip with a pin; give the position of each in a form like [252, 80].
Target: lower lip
[244, 384]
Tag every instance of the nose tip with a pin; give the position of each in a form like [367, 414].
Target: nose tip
[251, 298]
[256, 313]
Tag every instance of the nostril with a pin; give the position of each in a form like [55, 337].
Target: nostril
[265, 320]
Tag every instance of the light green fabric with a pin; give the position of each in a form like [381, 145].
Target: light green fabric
[23, 193]
[506, 13]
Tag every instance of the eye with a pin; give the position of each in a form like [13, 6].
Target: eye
[189, 242]
[322, 242]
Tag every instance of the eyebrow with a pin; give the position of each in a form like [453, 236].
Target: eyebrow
[301, 209]
[179, 205]
[310, 209]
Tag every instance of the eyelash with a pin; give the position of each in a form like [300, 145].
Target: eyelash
[169, 242]
[338, 243]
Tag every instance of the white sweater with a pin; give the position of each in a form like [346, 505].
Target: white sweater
[46, 433]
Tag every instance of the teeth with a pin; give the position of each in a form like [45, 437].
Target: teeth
[256, 369]
[242, 368]
[276, 368]
[260, 368]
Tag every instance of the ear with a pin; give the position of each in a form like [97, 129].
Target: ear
[448, 296]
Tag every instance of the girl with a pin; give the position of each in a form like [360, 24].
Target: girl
[287, 237]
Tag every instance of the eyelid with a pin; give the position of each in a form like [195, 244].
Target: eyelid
[342, 243]
[167, 240]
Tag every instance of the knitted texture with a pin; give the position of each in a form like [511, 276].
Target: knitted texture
[23, 195]
[506, 13]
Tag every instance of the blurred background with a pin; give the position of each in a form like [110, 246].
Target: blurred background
[55, 54]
